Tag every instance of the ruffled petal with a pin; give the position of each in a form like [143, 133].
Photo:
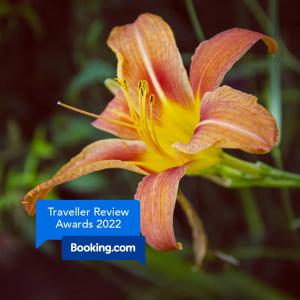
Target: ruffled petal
[232, 119]
[117, 109]
[215, 57]
[146, 49]
[157, 194]
[105, 154]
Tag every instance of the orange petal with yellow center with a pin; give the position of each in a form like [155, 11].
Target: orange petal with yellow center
[157, 194]
[232, 119]
[117, 109]
[215, 57]
[146, 49]
[105, 154]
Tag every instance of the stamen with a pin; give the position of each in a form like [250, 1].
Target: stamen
[151, 101]
[151, 98]
[140, 96]
[152, 126]
[147, 124]
[143, 117]
[83, 112]
[143, 113]
[124, 87]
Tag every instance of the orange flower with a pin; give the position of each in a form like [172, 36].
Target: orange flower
[168, 124]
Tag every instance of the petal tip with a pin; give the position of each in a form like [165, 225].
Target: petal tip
[271, 44]
[28, 204]
[179, 246]
[216, 56]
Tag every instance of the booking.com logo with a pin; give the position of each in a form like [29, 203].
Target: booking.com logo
[107, 249]
[104, 248]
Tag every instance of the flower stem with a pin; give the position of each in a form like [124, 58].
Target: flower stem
[285, 194]
[253, 217]
[275, 105]
[194, 19]
[259, 168]
[259, 14]
[237, 173]
[240, 164]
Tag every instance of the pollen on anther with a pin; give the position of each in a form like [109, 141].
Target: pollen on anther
[140, 84]
[151, 98]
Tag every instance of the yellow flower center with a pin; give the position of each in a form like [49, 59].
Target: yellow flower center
[175, 123]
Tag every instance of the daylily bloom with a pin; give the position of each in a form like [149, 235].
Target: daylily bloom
[170, 124]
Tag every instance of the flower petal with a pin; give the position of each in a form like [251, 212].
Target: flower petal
[105, 154]
[233, 119]
[117, 109]
[157, 194]
[215, 57]
[146, 49]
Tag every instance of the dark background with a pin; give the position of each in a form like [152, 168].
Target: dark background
[56, 50]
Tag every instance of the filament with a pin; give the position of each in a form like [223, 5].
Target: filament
[83, 112]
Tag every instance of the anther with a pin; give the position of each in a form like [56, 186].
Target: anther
[151, 98]
[145, 86]
[117, 80]
[140, 84]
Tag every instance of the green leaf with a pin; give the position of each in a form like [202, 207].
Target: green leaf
[71, 131]
[88, 184]
[172, 269]
[40, 146]
[94, 72]
[94, 32]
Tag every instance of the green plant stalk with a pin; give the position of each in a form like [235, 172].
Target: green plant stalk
[285, 194]
[237, 173]
[260, 16]
[275, 106]
[254, 220]
[259, 169]
[274, 103]
[194, 19]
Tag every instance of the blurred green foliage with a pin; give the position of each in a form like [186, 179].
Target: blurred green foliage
[38, 137]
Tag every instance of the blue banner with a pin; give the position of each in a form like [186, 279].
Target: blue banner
[55, 219]
[104, 248]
